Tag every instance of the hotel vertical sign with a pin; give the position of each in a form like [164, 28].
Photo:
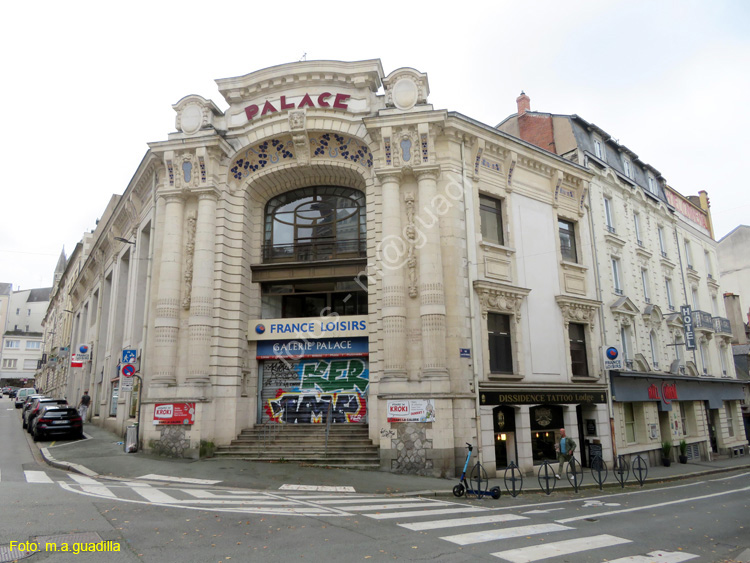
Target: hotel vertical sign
[687, 324]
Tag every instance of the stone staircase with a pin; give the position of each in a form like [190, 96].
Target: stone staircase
[349, 445]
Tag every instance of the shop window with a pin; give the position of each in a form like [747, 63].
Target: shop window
[683, 419]
[567, 240]
[629, 416]
[501, 350]
[730, 422]
[490, 215]
[578, 356]
[315, 223]
[313, 299]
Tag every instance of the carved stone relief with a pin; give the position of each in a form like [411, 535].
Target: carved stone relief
[189, 253]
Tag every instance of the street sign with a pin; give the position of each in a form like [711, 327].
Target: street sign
[83, 353]
[126, 383]
[612, 358]
[128, 370]
[129, 356]
[687, 323]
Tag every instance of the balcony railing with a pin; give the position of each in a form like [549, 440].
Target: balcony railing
[647, 300]
[702, 321]
[663, 254]
[314, 251]
[618, 291]
[611, 229]
[722, 326]
[640, 242]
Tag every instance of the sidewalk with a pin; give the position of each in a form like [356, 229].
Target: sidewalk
[102, 455]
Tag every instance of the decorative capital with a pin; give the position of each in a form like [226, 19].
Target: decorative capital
[495, 297]
[575, 310]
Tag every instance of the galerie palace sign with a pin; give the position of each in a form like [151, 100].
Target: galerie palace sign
[320, 100]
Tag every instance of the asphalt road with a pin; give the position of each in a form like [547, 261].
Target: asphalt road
[704, 519]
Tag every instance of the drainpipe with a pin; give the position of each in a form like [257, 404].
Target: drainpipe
[597, 278]
[471, 259]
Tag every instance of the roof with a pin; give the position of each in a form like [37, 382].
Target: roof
[39, 295]
[730, 233]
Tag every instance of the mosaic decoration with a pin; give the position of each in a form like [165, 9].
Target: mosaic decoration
[260, 156]
[479, 159]
[170, 169]
[203, 169]
[333, 145]
[387, 142]
[425, 152]
[494, 166]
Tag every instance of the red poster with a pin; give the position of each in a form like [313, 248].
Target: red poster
[174, 413]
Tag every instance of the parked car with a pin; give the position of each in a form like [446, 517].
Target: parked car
[12, 392]
[27, 403]
[57, 420]
[32, 409]
[21, 395]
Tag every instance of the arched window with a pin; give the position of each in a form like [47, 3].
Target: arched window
[315, 223]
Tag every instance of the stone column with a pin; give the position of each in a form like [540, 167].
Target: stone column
[392, 257]
[201, 295]
[431, 287]
[570, 420]
[523, 440]
[167, 322]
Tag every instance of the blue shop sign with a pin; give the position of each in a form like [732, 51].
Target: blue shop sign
[313, 348]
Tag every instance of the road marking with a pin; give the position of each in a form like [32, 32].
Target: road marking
[651, 506]
[151, 494]
[319, 488]
[37, 477]
[393, 515]
[374, 499]
[505, 533]
[318, 497]
[543, 511]
[368, 507]
[192, 481]
[732, 477]
[661, 556]
[452, 522]
[90, 486]
[566, 547]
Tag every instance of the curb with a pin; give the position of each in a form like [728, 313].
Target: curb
[67, 466]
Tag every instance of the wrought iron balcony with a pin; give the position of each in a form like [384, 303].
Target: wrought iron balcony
[702, 321]
[322, 249]
[611, 229]
[722, 326]
[663, 254]
[618, 291]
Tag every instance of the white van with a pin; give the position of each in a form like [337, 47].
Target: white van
[21, 395]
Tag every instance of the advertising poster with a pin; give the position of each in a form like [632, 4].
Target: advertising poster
[415, 410]
[174, 413]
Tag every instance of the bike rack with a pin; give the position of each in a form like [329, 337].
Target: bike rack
[621, 470]
[599, 471]
[640, 470]
[512, 479]
[549, 475]
[575, 470]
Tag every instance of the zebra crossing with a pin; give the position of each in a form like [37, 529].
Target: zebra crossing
[415, 514]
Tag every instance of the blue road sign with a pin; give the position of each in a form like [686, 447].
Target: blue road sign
[128, 356]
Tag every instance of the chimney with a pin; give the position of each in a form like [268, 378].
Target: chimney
[524, 103]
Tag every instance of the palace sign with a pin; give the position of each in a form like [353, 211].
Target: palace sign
[317, 100]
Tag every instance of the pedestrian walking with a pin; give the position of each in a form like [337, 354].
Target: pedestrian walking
[565, 448]
[83, 405]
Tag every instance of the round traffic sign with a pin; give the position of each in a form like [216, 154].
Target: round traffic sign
[128, 370]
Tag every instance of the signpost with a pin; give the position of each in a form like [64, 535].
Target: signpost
[612, 358]
[129, 356]
[127, 371]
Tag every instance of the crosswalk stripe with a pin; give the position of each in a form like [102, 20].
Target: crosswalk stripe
[323, 497]
[661, 556]
[505, 533]
[566, 547]
[88, 485]
[452, 522]
[190, 480]
[360, 500]
[413, 513]
[368, 507]
[151, 494]
[37, 477]
[316, 488]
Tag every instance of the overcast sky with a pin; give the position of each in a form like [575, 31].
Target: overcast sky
[87, 84]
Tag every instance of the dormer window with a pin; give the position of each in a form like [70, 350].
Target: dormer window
[627, 167]
[598, 148]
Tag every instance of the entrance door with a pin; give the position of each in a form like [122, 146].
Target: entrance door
[504, 425]
[711, 428]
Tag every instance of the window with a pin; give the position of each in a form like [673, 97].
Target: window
[616, 275]
[28, 314]
[662, 242]
[652, 185]
[694, 294]
[33, 345]
[598, 149]
[578, 356]
[704, 357]
[730, 422]
[608, 216]
[625, 343]
[501, 352]
[12, 343]
[722, 357]
[30, 364]
[688, 255]
[315, 223]
[668, 285]
[715, 305]
[312, 299]
[654, 350]
[9, 363]
[629, 416]
[627, 167]
[18, 311]
[709, 270]
[637, 223]
[683, 419]
[490, 215]
[644, 281]
[567, 240]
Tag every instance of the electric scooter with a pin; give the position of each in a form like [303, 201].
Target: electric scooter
[463, 487]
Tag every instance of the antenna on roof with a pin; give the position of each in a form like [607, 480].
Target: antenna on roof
[304, 57]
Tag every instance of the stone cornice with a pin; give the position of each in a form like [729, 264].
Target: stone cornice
[500, 297]
[578, 310]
